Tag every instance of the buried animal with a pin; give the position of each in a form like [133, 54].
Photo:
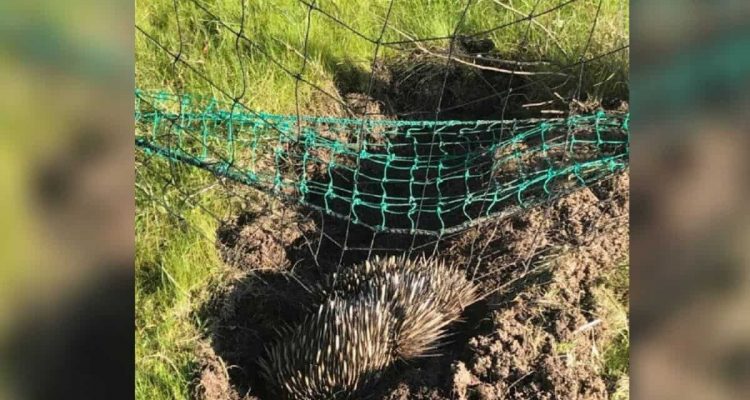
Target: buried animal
[371, 315]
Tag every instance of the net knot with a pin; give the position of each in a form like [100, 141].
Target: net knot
[309, 137]
[573, 121]
[337, 147]
[613, 165]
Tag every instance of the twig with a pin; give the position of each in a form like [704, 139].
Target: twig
[511, 62]
[544, 28]
[474, 64]
[543, 103]
[587, 326]
[517, 381]
[488, 68]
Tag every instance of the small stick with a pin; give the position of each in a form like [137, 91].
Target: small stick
[588, 326]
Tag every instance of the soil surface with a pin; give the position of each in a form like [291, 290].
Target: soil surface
[538, 335]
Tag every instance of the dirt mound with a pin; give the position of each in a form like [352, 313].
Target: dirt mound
[479, 85]
[543, 333]
[213, 378]
[539, 335]
[259, 240]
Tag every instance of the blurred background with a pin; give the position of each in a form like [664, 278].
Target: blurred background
[66, 209]
[66, 199]
[690, 218]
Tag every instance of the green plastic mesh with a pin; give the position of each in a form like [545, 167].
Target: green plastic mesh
[418, 177]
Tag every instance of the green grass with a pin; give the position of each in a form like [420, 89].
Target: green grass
[176, 261]
[613, 300]
[176, 265]
[277, 30]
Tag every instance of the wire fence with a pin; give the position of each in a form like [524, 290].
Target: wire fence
[316, 134]
[482, 169]
[414, 171]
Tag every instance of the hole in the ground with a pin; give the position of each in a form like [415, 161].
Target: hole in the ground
[413, 87]
[244, 317]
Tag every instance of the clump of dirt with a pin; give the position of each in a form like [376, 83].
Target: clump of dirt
[260, 240]
[540, 344]
[360, 105]
[213, 379]
[574, 220]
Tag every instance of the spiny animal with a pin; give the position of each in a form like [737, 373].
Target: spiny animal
[334, 353]
[374, 314]
[424, 294]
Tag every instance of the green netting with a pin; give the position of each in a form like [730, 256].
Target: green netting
[420, 177]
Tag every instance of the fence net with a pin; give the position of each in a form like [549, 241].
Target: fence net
[298, 137]
[421, 177]
[411, 118]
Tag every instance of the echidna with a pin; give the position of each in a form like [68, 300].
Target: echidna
[375, 313]
[334, 353]
[425, 294]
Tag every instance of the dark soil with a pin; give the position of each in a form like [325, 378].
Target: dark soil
[534, 337]
[533, 342]
[415, 85]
